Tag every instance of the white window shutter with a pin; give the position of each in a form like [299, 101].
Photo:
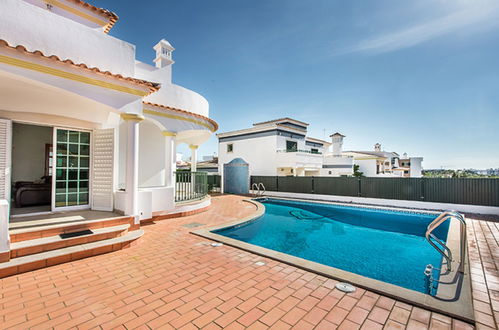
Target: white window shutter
[5, 158]
[103, 153]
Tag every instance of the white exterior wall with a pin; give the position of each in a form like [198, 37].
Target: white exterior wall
[62, 12]
[367, 166]
[170, 94]
[152, 153]
[416, 170]
[35, 28]
[260, 153]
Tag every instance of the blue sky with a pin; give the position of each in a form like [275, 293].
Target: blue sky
[420, 77]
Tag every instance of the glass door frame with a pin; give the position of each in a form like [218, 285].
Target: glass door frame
[54, 171]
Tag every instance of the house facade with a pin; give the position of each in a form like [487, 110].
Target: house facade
[83, 124]
[280, 147]
[380, 163]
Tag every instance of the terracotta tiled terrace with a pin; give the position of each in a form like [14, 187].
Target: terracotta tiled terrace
[173, 279]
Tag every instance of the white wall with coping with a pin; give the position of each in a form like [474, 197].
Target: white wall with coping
[479, 209]
[180, 208]
[35, 28]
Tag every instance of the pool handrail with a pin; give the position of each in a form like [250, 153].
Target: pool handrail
[446, 252]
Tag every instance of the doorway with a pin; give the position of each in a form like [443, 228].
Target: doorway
[32, 169]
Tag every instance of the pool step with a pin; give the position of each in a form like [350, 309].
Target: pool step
[44, 244]
[35, 232]
[66, 254]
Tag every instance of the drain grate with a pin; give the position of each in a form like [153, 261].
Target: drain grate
[76, 233]
[192, 225]
[345, 287]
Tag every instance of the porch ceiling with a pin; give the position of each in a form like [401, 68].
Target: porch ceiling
[25, 96]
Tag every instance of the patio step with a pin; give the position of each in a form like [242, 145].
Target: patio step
[67, 254]
[37, 245]
[31, 233]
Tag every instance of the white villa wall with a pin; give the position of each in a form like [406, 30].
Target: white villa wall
[170, 94]
[28, 151]
[59, 11]
[259, 153]
[152, 153]
[367, 166]
[416, 170]
[35, 28]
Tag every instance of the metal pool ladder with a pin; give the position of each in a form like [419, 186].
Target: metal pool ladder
[441, 247]
[258, 189]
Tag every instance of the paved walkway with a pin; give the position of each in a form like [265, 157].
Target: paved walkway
[173, 279]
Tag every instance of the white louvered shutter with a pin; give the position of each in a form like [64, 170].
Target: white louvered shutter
[5, 160]
[103, 169]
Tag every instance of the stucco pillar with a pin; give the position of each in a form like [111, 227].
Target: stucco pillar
[194, 157]
[170, 158]
[132, 164]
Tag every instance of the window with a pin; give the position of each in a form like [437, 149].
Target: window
[330, 172]
[230, 147]
[291, 146]
[314, 151]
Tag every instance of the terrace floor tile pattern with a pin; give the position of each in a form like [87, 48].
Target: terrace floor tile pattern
[173, 279]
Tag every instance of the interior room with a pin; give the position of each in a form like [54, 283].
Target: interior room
[32, 162]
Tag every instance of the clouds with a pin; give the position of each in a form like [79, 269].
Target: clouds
[473, 15]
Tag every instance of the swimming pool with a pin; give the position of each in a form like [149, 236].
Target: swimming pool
[382, 244]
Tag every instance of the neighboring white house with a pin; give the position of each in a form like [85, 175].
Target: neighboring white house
[279, 147]
[379, 163]
[80, 115]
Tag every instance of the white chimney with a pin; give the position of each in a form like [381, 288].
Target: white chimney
[377, 147]
[164, 52]
[337, 140]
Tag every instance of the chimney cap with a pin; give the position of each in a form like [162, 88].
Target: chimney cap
[164, 43]
[337, 134]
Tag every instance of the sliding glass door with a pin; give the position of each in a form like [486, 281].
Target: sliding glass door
[72, 169]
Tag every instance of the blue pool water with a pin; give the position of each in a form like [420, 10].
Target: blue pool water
[382, 244]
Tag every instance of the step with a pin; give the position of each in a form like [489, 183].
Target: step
[37, 245]
[67, 254]
[23, 234]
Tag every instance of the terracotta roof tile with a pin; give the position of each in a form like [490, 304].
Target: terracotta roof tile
[211, 121]
[153, 87]
[111, 16]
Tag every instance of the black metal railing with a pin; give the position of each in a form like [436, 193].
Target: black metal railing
[190, 185]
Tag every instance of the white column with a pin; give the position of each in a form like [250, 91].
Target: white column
[194, 157]
[132, 164]
[170, 158]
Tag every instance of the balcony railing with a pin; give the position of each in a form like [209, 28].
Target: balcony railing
[190, 185]
[301, 150]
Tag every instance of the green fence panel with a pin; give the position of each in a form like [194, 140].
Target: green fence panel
[336, 186]
[270, 182]
[479, 191]
[392, 188]
[214, 181]
[298, 184]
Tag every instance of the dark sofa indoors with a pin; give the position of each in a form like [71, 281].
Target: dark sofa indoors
[27, 193]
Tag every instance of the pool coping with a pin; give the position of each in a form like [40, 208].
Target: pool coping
[445, 302]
